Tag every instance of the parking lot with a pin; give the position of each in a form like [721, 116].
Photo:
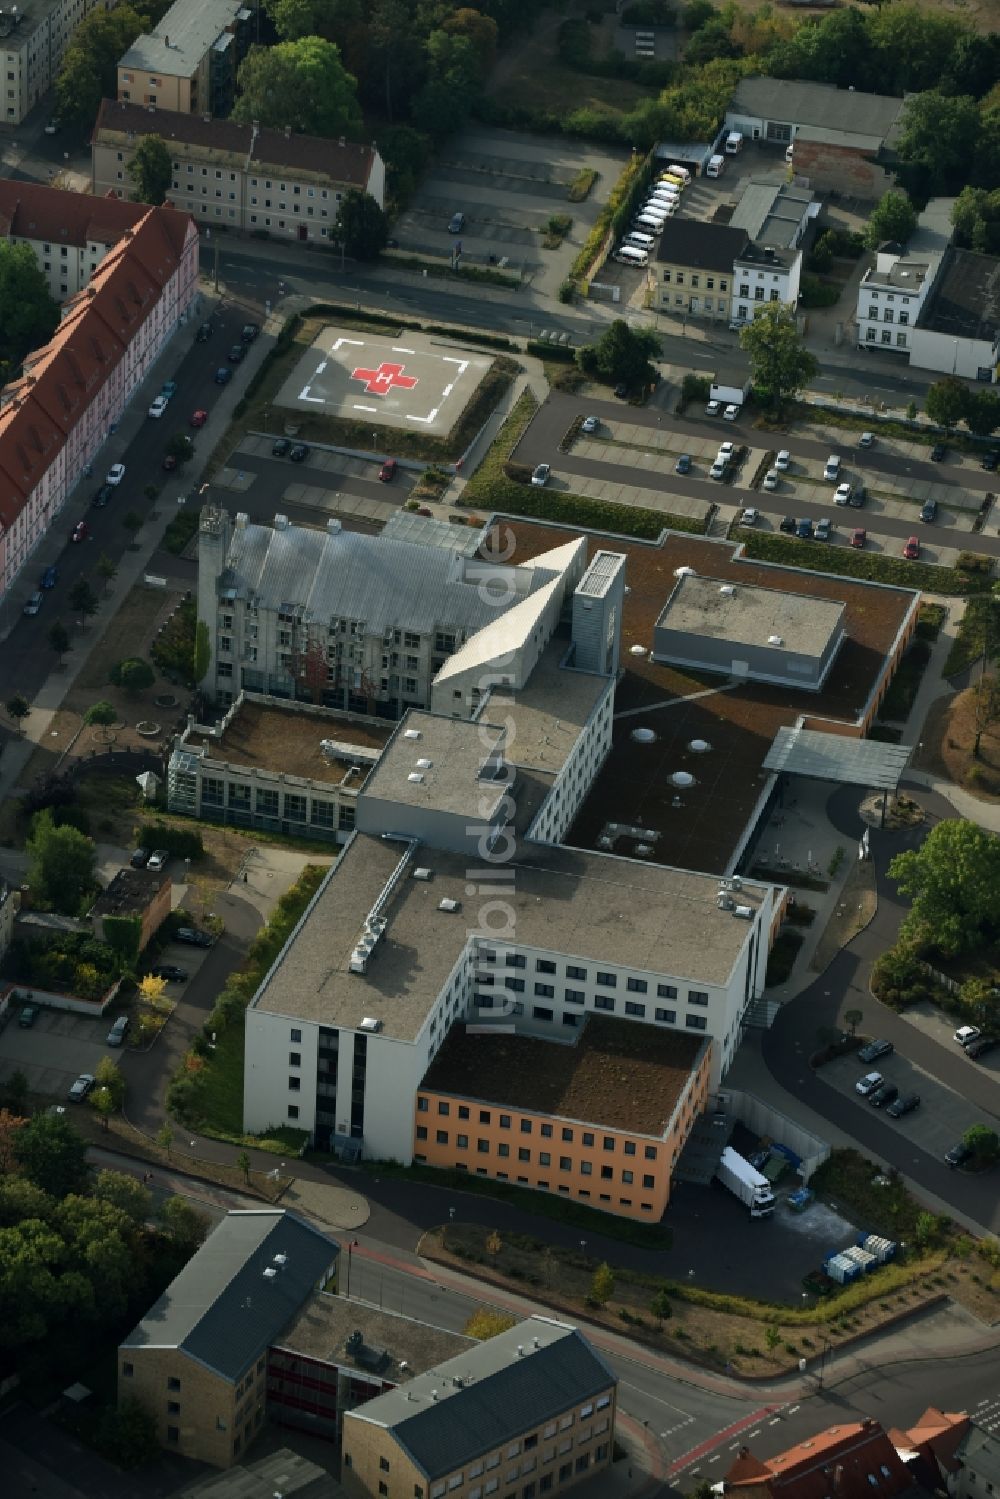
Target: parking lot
[943, 1115]
[508, 185]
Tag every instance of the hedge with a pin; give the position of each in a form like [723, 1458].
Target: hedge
[765, 547]
[180, 843]
[581, 510]
[616, 212]
[180, 531]
[545, 350]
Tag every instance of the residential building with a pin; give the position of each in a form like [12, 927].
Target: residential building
[140, 896]
[33, 40]
[242, 177]
[855, 1461]
[890, 296]
[289, 768]
[843, 139]
[555, 1116]
[943, 1451]
[69, 233]
[957, 328]
[197, 1360]
[55, 419]
[693, 272]
[776, 215]
[10, 904]
[532, 1408]
[188, 62]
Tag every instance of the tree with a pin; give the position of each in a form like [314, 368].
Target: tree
[184, 1225]
[11, 1126]
[103, 1105]
[938, 138]
[89, 70]
[602, 1286]
[109, 1075]
[133, 674]
[893, 217]
[953, 882]
[202, 651]
[494, 1244]
[303, 84]
[982, 412]
[452, 83]
[181, 447]
[60, 863]
[361, 225]
[53, 1155]
[127, 1434]
[481, 33]
[328, 18]
[779, 364]
[853, 1019]
[18, 709]
[986, 707]
[152, 987]
[125, 1193]
[83, 599]
[29, 314]
[101, 713]
[243, 1162]
[660, 1305]
[59, 639]
[151, 170]
[621, 355]
[15, 1092]
[132, 523]
[982, 1141]
[946, 402]
[165, 1138]
[405, 152]
[486, 1323]
[107, 570]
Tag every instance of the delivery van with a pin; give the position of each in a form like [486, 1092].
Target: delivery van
[734, 143]
[641, 241]
[716, 167]
[631, 255]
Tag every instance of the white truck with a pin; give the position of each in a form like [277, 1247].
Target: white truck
[746, 1183]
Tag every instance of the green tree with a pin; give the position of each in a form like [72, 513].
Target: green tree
[18, 708]
[59, 639]
[243, 1164]
[361, 225]
[15, 1092]
[109, 1075]
[303, 84]
[982, 1141]
[779, 363]
[125, 1193]
[953, 882]
[127, 1434]
[893, 217]
[151, 170]
[602, 1287]
[480, 31]
[980, 1000]
[103, 1105]
[937, 140]
[982, 412]
[925, 1230]
[331, 19]
[202, 651]
[52, 1155]
[83, 599]
[29, 315]
[165, 1138]
[60, 863]
[486, 1323]
[660, 1305]
[622, 355]
[89, 69]
[853, 1019]
[133, 674]
[132, 524]
[451, 86]
[694, 15]
[180, 447]
[946, 402]
[184, 1225]
[405, 152]
[107, 570]
[101, 713]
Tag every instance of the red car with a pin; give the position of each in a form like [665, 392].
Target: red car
[80, 531]
[912, 549]
[199, 418]
[858, 538]
[388, 470]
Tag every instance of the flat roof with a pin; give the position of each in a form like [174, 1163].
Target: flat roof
[699, 829]
[904, 274]
[389, 1341]
[441, 766]
[771, 210]
[130, 891]
[545, 719]
[830, 757]
[706, 246]
[182, 37]
[749, 614]
[289, 740]
[964, 301]
[590, 905]
[613, 1073]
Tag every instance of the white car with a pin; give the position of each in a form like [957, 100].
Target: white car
[750, 516]
[967, 1033]
[866, 440]
[726, 450]
[730, 414]
[869, 1083]
[843, 494]
[589, 424]
[158, 407]
[771, 479]
[783, 460]
[540, 477]
[116, 474]
[713, 408]
[832, 470]
[718, 469]
[158, 859]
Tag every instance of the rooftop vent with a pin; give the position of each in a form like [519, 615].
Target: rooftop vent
[422, 873]
[682, 778]
[333, 525]
[775, 640]
[415, 777]
[411, 733]
[424, 763]
[746, 912]
[281, 522]
[370, 1024]
[270, 1273]
[727, 590]
[280, 1260]
[447, 904]
[685, 572]
[699, 746]
[725, 901]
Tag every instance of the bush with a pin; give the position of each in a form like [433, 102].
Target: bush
[101, 713]
[898, 980]
[694, 388]
[180, 843]
[783, 955]
[182, 528]
[133, 674]
[581, 185]
[767, 547]
[816, 293]
[173, 649]
[550, 351]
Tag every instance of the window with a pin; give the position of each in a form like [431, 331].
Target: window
[545, 991]
[609, 980]
[128, 1370]
[627, 1178]
[295, 1059]
[503, 1150]
[483, 1147]
[697, 997]
[604, 1001]
[573, 996]
[383, 1463]
[544, 965]
[505, 1121]
[525, 1126]
[421, 1132]
[576, 973]
[565, 1163]
[524, 1155]
[441, 1136]
[173, 1383]
[665, 1017]
[462, 1142]
[463, 1112]
[294, 1085]
[293, 1111]
[632, 1008]
[606, 1173]
[541, 1012]
[422, 1105]
[696, 1023]
[544, 1159]
[174, 1436]
[636, 986]
[516, 986]
[444, 1108]
[294, 1034]
[546, 1131]
[383, 1487]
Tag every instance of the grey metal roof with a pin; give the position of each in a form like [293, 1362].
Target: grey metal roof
[488, 1395]
[182, 38]
[832, 757]
[424, 530]
[221, 1309]
[821, 105]
[771, 211]
[348, 575]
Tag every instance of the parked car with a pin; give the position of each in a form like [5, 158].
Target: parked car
[980, 1047]
[169, 971]
[990, 461]
[859, 538]
[589, 424]
[858, 496]
[866, 440]
[804, 529]
[904, 1104]
[771, 479]
[158, 859]
[299, 452]
[683, 464]
[967, 1033]
[456, 223]
[223, 375]
[158, 407]
[102, 496]
[168, 463]
[116, 1035]
[928, 510]
[713, 408]
[832, 471]
[34, 603]
[249, 332]
[280, 447]
[192, 937]
[27, 1017]
[49, 577]
[53, 126]
[874, 1050]
[80, 531]
[788, 524]
[199, 417]
[727, 450]
[783, 460]
[888, 1093]
[205, 331]
[168, 389]
[731, 413]
[540, 475]
[237, 353]
[843, 494]
[958, 1154]
[911, 550]
[115, 475]
[139, 858]
[750, 516]
[824, 529]
[388, 471]
[81, 1087]
[718, 469]
[869, 1083]
[621, 391]
[939, 452]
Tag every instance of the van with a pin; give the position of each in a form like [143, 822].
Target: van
[680, 172]
[640, 241]
[671, 179]
[650, 223]
[631, 255]
[716, 167]
[664, 195]
[734, 143]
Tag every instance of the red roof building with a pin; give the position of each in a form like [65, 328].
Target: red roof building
[70, 233]
[856, 1461]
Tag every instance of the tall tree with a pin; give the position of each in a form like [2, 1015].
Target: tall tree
[151, 170]
[303, 84]
[83, 599]
[986, 708]
[89, 70]
[453, 80]
[946, 401]
[937, 140]
[953, 882]
[125, 1193]
[893, 217]
[29, 315]
[52, 1155]
[59, 639]
[362, 225]
[982, 412]
[60, 863]
[18, 709]
[183, 1224]
[622, 355]
[331, 19]
[780, 364]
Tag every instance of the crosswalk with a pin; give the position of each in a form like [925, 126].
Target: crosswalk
[987, 1415]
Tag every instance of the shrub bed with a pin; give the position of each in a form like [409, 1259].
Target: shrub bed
[765, 547]
[581, 184]
[180, 531]
[782, 957]
[971, 638]
[180, 843]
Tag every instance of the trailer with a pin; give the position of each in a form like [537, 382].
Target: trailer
[753, 1189]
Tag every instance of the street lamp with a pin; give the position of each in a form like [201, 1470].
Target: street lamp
[350, 1251]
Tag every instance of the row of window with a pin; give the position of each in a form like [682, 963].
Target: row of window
[576, 997]
[695, 280]
[886, 337]
[526, 1127]
[294, 806]
[887, 315]
[566, 1163]
[583, 1193]
[606, 980]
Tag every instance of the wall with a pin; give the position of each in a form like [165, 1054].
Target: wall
[967, 358]
[203, 1427]
[757, 663]
[25, 994]
[764, 1119]
[845, 170]
[266, 1072]
[683, 289]
[169, 92]
[151, 918]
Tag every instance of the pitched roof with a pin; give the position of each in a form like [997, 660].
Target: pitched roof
[852, 1461]
[178, 43]
[489, 1394]
[349, 163]
[818, 106]
[936, 1436]
[31, 210]
[707, 247]
[222, 1309]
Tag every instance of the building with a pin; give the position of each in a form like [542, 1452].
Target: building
[693, 274]
[285, 767]
[188, 62]
[776, 216]
[69, 233]
[957, 328]
[198, 1358]
[601, 1118]
[33, 39]
[10, 904]
[853, 1461]
[843, 139]
[55, 419]
[533, 1408]
[977, 1451]
[242, 177]
[139, 896]
[890, 296]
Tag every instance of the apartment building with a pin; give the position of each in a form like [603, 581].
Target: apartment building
[69, 233]
[242, 177]
[188, 62]
[776, 216]
[530, 1411]
[57, 416]
[693, 272]
[33, 39]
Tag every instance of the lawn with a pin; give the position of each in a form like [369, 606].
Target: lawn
[970, 642]
[905, 684]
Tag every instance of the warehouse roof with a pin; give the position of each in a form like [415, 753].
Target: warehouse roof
[748, 614]
[818, 107]
[177, 45]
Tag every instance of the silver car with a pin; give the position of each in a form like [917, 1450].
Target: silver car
[81, 1087]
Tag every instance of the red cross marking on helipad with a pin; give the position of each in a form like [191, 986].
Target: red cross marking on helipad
[379, 382]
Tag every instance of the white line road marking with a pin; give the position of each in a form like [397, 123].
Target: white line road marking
[398, 349]
[426, 419]
[447, 392]
[756, 1433]
[657, 1400]
[357, 343]
[714, 1459]
[792, 1409]
[322, 366]
[364, 408]
[775, 1422]
[316, 400]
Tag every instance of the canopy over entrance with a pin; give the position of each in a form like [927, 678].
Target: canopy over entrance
[833, 757]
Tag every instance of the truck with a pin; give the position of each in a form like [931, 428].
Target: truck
[746, 1183]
